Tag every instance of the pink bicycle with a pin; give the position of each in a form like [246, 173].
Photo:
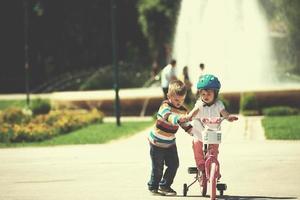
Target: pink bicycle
[210, 178]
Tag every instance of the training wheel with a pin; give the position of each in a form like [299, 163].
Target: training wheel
[221, 187]
[185, 189]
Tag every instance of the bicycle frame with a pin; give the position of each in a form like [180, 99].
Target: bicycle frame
[212, 172]
[212, 169]
[212, 165]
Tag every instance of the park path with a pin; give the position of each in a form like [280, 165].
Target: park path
[252, 167]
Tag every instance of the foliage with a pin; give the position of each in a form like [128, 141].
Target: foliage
[40, 106]
[282, 128]
[67, 36]
[129, 77]
[280, 111]
[287, 11]
[12, 116]
[225, 102]
[157, 19]
[47, 126]
[250, 112]
[284, 17]
[249, 104]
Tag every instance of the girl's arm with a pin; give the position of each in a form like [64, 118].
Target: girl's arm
[228, 116]
[192, 113]
[195, 110]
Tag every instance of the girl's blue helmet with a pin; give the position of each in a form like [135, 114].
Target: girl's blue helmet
[208, 81]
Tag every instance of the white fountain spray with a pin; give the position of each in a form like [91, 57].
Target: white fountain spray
[230, 37]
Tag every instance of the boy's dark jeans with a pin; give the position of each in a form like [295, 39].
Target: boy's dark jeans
[159, 157]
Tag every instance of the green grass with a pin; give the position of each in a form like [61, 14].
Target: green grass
[93, 134]
[282, 128]
[12, 103]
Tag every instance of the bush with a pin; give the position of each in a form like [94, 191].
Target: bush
[12, 116]
[6, 133]
[43, 127]
[129, 77]
[225, 101]
[280, 111]
[250, 112]
[249, 104]
[40, 106]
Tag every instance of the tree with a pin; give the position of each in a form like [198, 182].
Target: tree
[157, 19]
[287, 12]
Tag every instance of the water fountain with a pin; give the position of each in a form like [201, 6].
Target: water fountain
[232, 38]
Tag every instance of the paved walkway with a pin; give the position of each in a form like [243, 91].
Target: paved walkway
[252, 167]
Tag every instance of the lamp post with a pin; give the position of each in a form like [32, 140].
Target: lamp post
[114, 61]
[26, 48]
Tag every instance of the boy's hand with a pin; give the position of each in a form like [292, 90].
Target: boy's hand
[192, 114]
[232, 118]
[183, 119]
[189, 117]
[190, 132]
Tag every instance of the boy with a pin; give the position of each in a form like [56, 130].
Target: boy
[207, 108]
[163, 148]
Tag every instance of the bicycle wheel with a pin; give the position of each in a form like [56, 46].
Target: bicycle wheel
[213, 181]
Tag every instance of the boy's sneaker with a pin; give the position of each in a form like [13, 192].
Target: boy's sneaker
[155, 192]
[168, 191]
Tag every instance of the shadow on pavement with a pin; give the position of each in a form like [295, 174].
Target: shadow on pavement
[228, 197]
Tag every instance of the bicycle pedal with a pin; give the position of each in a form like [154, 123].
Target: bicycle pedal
[221, 186]
[192, 170]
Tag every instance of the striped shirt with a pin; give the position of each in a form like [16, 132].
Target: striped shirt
[166, 126]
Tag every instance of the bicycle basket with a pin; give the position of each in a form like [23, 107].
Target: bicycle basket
[211, 136]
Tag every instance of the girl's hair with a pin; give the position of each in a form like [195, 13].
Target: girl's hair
[177, 87]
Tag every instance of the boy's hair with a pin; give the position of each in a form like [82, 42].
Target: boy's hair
[177, 87]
